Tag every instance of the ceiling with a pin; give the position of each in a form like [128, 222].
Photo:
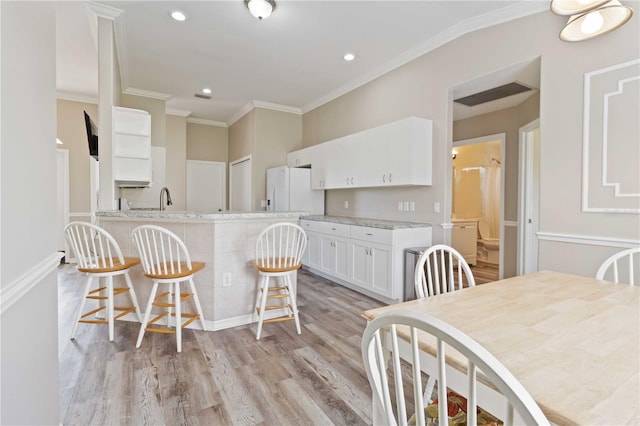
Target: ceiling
[291, 61]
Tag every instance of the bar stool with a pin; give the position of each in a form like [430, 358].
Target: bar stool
[98, 255]
[279, 251]
[165, 259]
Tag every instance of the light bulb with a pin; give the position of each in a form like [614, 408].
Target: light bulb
[261, 9]
[592, 23]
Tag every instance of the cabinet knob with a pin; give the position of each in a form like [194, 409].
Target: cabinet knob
[347, 181]
[390, 177]
[351, 181]
[369, 233]
[384, 178]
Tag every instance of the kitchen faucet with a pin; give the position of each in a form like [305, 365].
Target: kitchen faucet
[169, 202]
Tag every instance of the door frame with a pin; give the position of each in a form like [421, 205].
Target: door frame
[502, 137]
[231, 165]
[64, 175]
[525, 165]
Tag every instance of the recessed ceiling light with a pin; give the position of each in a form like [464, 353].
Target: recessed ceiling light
[178, 15]
[349, 57]
[206, 90]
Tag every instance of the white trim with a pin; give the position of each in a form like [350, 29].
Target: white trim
[231, 164]
[80, 214]
[241, 113]
[586, 141]
[510, 223]
[146, 93]
[447, 225]
[206, 122]
[104, 11]
[588, 240]
[14, 291]
[178, 112]
[518, 10]
[77, 97]
[524, 153]
[277, 107]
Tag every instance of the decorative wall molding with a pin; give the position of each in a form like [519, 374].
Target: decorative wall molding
[447, 225]
[207, 122]
[261, 104]
[146, 93]
[77, 97]
[588, 240]
[178, 112]
[14, 291]
[511, 223]
[602, 192]
[80, 214]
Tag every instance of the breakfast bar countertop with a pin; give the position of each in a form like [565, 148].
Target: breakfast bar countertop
[182, 214]
[371, 223]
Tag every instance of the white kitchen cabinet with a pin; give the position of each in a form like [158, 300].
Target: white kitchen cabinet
[363, 258]
[131, 141]
[302, 157]
[464, 236]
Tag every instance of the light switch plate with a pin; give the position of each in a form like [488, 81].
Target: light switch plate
[436, 207]
[346, 204]
[406, 206]
[226, 279]
[400, 205]
[412, 206]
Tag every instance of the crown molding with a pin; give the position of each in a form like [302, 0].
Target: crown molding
[206, 122]
[277, 107]
[146, 93]
[241, 113]
[77, 97]
[178, 112]
[515, 11]
[104, 11]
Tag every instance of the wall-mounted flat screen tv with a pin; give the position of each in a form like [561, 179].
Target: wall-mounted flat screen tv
[92, 135]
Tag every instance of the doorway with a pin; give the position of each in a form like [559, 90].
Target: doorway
[478, 196]
[529, 197]
[240, 185]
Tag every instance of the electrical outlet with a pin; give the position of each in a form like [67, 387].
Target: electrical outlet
[412, 206]
[226, 279]
[400, 206]
[346, 204]
[436, 207]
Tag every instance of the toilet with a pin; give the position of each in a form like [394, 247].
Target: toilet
[488, 248]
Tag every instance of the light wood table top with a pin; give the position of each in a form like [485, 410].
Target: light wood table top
[573, 342]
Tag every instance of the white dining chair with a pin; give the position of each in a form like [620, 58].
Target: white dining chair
[279, 251]
[166, 260]
[399, 332]
[434, 274]
[611, 269]
[99, 256]
[441, 269]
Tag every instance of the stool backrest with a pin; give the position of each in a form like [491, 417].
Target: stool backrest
[161, 251]
[281, 245]
[94, 247]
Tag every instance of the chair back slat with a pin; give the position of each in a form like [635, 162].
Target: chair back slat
[280, 246]
[161, 251]
[403, 333]
[94, 248]
[613, 269]
[434, 273]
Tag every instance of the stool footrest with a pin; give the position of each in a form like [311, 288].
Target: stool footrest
[93, 312]
[278, 319]
[94, 321]
[277, 296]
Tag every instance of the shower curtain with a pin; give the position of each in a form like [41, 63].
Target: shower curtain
[491, 199]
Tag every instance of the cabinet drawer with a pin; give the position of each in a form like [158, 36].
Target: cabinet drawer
[309, 225]
[374, 235]
[337, 229]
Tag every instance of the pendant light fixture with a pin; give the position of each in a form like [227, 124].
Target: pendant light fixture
[590, 18]
[261, 9]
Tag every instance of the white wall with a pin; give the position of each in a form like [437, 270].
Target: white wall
[28, 258]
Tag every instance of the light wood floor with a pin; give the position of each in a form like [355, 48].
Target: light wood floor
[223, 377]
[484, 272]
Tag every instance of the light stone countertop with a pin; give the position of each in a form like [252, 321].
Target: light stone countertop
[169, 214]
[371, 223]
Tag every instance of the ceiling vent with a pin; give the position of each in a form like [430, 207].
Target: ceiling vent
[200, 95]
[496, 93]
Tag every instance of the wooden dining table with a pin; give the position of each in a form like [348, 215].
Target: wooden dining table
[572, 341]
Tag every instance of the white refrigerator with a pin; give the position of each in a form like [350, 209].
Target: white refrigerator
[289, 189]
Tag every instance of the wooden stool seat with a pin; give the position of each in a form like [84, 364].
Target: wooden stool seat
[99, 256]
[185, 271]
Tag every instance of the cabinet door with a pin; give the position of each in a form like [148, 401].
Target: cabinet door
[360, 263]
[409, 152]
[381, 259]
[327, 254]
[342, 263]
[312, 254]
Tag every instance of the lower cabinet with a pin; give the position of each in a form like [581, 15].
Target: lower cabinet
[365, 259]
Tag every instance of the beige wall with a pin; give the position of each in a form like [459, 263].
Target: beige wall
[155, 107]
[423, 88]
[176, 142]
[72, 132]
[207, 143]
[242, 137]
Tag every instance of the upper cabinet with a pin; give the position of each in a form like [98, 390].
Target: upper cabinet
[131, 147]
[394, 154]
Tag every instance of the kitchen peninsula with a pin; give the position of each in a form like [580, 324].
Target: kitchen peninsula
[225, 241]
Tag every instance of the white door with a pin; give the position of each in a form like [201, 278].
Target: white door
[529, 198]
[240, 185]
[62, 204]
[206, 186]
